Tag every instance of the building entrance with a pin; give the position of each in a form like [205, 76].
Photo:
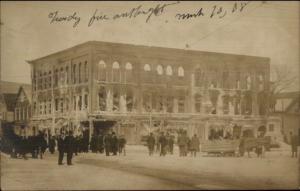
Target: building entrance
[103, 127]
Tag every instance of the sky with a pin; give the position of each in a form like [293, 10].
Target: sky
[269, 29]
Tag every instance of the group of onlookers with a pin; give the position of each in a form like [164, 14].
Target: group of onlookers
[165, 144]
[110, 143]
[36, 145]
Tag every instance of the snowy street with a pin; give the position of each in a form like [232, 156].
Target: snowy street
[137, 170]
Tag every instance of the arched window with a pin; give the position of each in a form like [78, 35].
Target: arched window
[128, 66]
[147, 67]
[169, 71]
[159, 70]
[180, 72]
[116, 72]
[101, 71]
[128, 72]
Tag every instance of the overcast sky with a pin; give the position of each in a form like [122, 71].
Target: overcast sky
[262, 29]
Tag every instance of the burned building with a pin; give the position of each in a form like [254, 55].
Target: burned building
[138, 89]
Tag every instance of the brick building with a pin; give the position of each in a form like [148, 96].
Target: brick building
[138, 89]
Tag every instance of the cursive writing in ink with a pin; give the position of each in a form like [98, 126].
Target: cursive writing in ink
[97, 18]
[55, 18]
[218, 11]
[190, 15]
[134, 12]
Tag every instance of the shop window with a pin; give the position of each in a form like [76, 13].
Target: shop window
[271, 127]
[101, 71]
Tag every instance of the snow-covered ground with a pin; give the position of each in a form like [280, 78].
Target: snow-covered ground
[137, 170]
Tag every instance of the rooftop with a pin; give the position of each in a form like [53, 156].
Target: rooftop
[144, 50]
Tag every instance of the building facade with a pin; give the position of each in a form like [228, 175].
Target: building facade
[22, 112]
[138, 89]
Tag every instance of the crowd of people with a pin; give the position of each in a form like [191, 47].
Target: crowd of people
[164, 144]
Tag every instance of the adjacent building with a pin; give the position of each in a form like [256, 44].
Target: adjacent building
[138, 89]
[287, 107]
[8, 97]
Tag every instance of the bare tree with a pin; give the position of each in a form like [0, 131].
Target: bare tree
[283, 78]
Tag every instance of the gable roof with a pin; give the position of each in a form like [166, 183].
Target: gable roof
[26, 90]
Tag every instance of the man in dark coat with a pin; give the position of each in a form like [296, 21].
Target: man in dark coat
[294, 144]
[52, 145]
[61, 148]
[122, 144]
[151, 143]
[195, 145]
[107, 144]
[69, 147]
[100, 143]
[163, 144]
[42, 144]
[114, 143]
[170, 143]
